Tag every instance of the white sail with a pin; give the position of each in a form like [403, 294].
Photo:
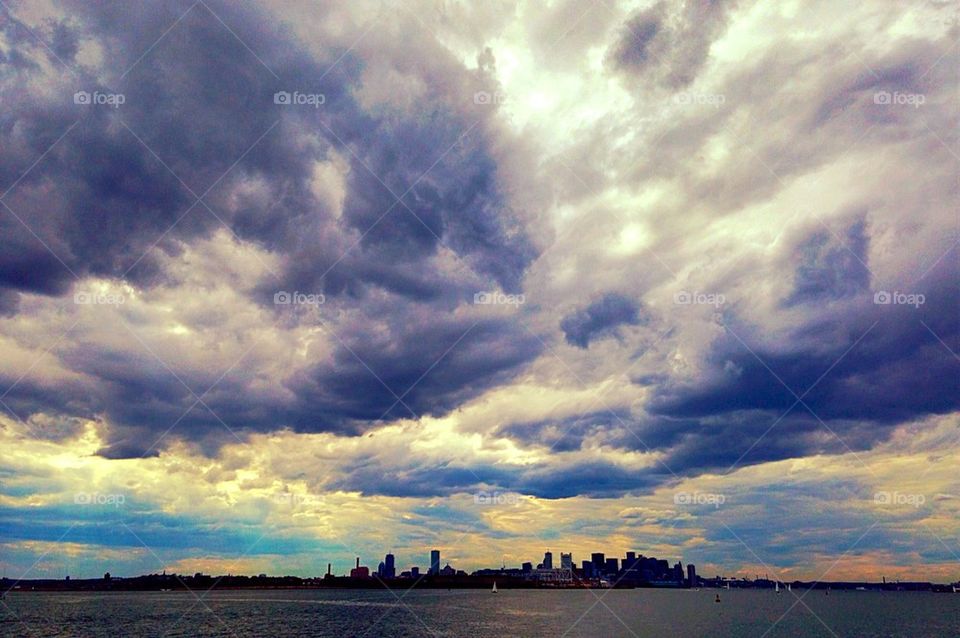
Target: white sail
[778, 587]
[494, 590]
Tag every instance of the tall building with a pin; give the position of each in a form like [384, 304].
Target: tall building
[678, 572]
[566, 561]
[598, 563]
[526, 568]
[691, 575]
[389, 567]
[630, 561]
[587, 568]
[612, 566]
[548, 560]
[434, 562]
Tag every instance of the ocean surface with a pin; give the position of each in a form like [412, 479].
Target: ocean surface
[474, 613]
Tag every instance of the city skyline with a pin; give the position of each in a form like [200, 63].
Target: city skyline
[287, 283]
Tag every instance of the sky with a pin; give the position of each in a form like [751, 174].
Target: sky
[286, 283]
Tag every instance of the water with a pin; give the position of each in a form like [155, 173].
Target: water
[475, 613]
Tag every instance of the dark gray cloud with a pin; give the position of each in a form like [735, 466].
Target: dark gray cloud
[596, 479]
[411, 371]
[201, 101]
[670, 43]
[609, 427]
[831, 266]
[600, 319]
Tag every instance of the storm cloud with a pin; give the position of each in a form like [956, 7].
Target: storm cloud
[394, 257]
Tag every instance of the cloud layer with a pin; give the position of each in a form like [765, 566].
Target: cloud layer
[398, 256]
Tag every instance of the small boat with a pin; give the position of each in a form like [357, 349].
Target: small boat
[717, 599]
[494, 590]
[789, 588]
[777, 590]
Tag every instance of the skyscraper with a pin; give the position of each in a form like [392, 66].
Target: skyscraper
[566, 561]
[691, 575]
[587, 569]
[434, 562]
[548, 560]
[612, 566]
[598, 562]
[389, 567]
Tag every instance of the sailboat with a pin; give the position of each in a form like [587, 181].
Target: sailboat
[494, 590]
[728, 585]
[789, 588]
[778, 587]
[717, 599]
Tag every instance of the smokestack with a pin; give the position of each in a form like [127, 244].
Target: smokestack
[329, 565]
[358, 562]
